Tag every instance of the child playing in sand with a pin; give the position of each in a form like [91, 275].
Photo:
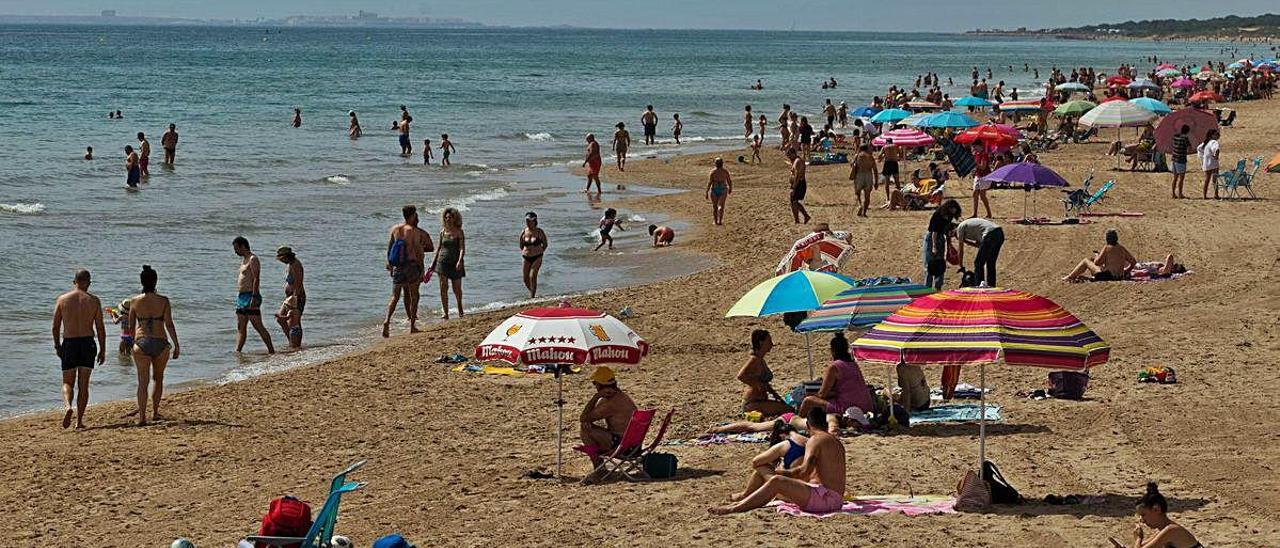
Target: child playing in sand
[446, 148]
[290, 319]
[120, 317]
[607, 224]
[426, 152]
[755, 149]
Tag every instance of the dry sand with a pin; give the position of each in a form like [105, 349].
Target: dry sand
[446, 450]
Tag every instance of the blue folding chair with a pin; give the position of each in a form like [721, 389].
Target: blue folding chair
[1228, 180]
[322, 527]
[1098, 196]
[1245, 180]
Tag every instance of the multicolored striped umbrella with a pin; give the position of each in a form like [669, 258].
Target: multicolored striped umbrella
[905, 137]
[799, 291]
[862, 307]
[978, 325]
[1117, 114]
[1020, 106]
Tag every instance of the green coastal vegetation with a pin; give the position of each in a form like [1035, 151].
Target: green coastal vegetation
[1232, 25]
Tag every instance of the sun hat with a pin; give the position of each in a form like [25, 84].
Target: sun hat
[603, 375]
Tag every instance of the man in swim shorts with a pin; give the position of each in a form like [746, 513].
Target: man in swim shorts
[889, 157]
[592, 162]
[863, 175]
[407, 277]
[144, 155]
[77, 318]
[169, 141]
[609, 404]
[816, 484]
[621, 142]
[799, 187]
[650, 122]
[133, 171]
[406, 145]
[249, 299]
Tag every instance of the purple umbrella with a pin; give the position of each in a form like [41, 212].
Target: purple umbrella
[1027, 175]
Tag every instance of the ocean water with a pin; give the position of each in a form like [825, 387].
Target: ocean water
[515, 102]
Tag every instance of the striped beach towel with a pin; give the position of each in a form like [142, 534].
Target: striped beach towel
[960, 157]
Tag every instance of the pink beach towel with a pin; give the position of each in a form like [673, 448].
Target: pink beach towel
[882, 504]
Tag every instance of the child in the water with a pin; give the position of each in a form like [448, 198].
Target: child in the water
[607, 224]
[290, 319]
[446, 148]
[120, 317]
[426, 152]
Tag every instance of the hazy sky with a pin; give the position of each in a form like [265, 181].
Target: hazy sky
[912, 15]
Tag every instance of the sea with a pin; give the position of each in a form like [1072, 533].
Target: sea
[516, 103]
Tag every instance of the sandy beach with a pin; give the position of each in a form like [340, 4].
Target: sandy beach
[446, 450]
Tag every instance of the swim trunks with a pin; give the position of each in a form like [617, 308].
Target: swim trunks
[822, 500]
[78, 352]
[890, 168]
[144, 162]
[295, 332]
[799, 190]
[404, 140]
[407, 273]
[718, 190]
[864, 181]
[981, 184]
[135, 176]
[1106, 276]
[593, 166]
[650, 130]
[248, 303]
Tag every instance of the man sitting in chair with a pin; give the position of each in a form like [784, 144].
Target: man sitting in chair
[609, 404]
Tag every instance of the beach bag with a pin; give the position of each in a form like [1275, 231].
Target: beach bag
[397, 254]
[972, 493]
[660, 465]
[286, 517]
[1001, 491]
[953, 254]
[1068, 385]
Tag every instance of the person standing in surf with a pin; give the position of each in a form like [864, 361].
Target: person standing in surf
[297, 118]
[406, 253]
[77, 317]
[649, 120]
[134, 173]
[169, 141]
[144, 155]
[402, 127]
[446, 148]
[533, 245]
[249, 298]
[748, 121]
[676, 127]
[621, 142]
[593, 162]
[449, 259]
[353, 129]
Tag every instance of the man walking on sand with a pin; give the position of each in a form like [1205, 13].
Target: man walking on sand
[406, 252]
[169, 141]
[799, 187]
[863, 175]
[77, 317]
[249, 298]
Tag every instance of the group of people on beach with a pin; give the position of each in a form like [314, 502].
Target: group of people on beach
[137, 162]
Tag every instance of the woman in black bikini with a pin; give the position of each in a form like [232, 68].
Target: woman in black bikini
[151, 316]
[533, 244]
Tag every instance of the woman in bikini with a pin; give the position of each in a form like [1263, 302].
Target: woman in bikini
[533, 245]
[152, 317]
[759, 394]
[719, 185]
[786, 445]
[292, 288]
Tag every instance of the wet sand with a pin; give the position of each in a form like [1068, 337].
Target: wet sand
[447, 450]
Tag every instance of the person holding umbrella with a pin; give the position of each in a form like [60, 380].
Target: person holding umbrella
[988, 237]
[609, 404]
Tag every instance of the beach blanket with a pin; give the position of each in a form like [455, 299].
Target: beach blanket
[960, 157]
[966, 412]
[963, 391]
[881, 504]
[488, 370]
[1142, 272]
[1111, 214]
[721, 439]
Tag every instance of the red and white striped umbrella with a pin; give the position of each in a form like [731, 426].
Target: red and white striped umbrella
[562, 335]
[906, 137]
[819, 252]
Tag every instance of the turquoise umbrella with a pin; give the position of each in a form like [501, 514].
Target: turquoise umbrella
[1152, 105]
[947, 119]
[890, 116]
[972, 101]
[799, 291]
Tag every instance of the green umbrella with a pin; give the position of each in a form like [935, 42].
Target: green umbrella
[1074, 108]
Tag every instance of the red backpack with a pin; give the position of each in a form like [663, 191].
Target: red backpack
[286, 517]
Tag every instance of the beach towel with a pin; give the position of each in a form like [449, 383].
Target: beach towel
[966, 412]
[721, 439]
[488, 370]
[881, 504]
[1144, 270]
[963, 391]
[961, 159]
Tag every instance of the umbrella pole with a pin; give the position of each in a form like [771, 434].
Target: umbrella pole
[560, 420]
[982, 416]
[808, 350]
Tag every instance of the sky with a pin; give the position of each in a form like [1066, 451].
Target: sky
[922, 15]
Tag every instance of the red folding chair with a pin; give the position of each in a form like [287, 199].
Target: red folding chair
[626, 455]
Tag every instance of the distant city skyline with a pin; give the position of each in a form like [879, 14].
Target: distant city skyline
[949, 16]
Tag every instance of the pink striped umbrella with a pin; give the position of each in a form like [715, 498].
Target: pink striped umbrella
[907, 137]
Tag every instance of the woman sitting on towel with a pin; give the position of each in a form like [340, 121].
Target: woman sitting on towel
[842, 385]
[1152, 511]
[785, 444]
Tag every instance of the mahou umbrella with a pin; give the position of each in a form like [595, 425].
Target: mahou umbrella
[977, 326]
[818, 251]
[561, 336]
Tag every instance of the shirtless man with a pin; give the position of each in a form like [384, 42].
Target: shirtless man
[77, 316]
[169, 141]
[649, 120]
[1112, 263]
[592, 162]
[662, 235]
[830, 111]
[863, 175]
[816, 484]
[719, 186]
[406, 145]
[889, 157]
[609, 404]
[407, 276]
[621, 142]
[799, 187]
[144, 155]
[249, 298]
[134, 172]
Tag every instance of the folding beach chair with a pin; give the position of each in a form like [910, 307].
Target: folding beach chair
[1227, 180]
[626, 456]
[1245, 180]
[1098, 196]
[323, 526]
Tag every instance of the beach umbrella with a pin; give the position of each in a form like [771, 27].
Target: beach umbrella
[1183, 83]
[972, 101]
[1117, 114]
[799, 291]
[1074, 108]
[914, 119]
[991, 135]
[890, 116]
[1201, 121]
[1236, 66]
[1143, 83]
[818, 251]
[862, 307]
[948, 119]
[1118, 80]
[864, 112]
[1207, 75]
[907, 137]
[1166, 66]
[1205, 96]
[1111, 99]
[1072, 86]
[1027, 175]
[1152, 105]
[1274, 165]
[1020, 106]
[560, 336]
[923, 105]
[1169, 72]
[977, 326]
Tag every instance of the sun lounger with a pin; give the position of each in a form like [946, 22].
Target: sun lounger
[323, 525]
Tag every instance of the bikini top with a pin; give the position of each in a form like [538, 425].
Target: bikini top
[532, 241]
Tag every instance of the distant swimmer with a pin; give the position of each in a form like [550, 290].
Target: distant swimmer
[649, 121]
[663, 236]
[88, 153]
[144, 155]
[621, 142]
[759, 85]
[592, 162]
[131, 167]
[406, 146]
[119, 115]
[676, 127]
[353, 130]
[169, 141]
[446, 148]
[77, 317]
[297, 117]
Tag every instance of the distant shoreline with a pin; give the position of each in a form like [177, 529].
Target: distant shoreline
[1125, 37]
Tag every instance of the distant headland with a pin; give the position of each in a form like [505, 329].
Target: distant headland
[1260, 28]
